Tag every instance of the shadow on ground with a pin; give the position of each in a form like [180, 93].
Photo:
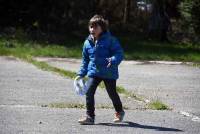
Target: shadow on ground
[136, 125]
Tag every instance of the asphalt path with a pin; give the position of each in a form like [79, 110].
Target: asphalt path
[25, 89]
[174, 83]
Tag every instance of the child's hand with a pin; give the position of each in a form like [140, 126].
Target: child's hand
[109, 62]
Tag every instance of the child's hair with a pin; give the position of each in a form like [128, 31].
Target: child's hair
[99, 20]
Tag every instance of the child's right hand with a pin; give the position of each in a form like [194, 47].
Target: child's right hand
[109, 62]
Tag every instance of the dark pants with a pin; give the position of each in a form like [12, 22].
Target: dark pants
[111, 90]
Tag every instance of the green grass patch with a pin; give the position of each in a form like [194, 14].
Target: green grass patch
[78, 106]
[121, 90]
[103, 106]
[196, 65]
[44, 66]
[47, 67]
[157, 105]
[154, 50]
[133, 49]
[102, 85]
[37, 49]
[66, 105]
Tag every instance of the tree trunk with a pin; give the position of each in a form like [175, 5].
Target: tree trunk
[126, 15]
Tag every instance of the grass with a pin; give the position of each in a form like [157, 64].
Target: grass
[134, 49]
[47, 67]
[78, 106]
[38, 49]
[44, 66]
[66, 105]
[154, 50]
[157, 105]
[196, 65]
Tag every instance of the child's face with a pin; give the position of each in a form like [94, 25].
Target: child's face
[95, 30]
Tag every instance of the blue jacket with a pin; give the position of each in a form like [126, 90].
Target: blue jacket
[94, 57]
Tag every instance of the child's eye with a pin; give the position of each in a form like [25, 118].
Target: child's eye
[93, 26]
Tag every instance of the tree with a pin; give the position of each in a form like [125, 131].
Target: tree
[126, 14]
[190, 19]
[195, 10]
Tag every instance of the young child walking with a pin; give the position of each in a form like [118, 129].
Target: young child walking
[101, 56]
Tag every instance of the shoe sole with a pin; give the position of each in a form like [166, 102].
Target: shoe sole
[81, 123]
[118, 121]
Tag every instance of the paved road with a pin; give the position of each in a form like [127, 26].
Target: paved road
[22, 83]
[37, 120]
[23, 88]
[174, 83]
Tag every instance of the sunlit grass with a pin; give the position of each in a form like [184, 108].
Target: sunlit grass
[78, 105]
[157, 105]
[35, 49]
[133, 49]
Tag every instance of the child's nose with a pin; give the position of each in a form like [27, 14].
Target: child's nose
[92, 29]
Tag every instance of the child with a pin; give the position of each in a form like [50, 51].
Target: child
[101, 56]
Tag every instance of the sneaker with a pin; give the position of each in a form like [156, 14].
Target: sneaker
[86, 121]
[119, 116]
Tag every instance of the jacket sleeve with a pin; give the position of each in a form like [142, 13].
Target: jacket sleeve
[117, 52]
[85, 60]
